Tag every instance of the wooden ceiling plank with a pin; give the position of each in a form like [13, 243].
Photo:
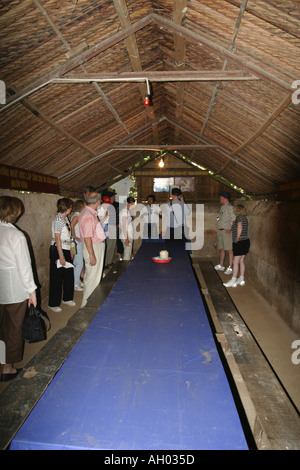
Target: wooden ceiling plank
[285, 16]
[209, 45]
[38, 113]
[73, 63]
[265, 124]
[230, 48]
[49, 121]
[68, 47]
[226, 154]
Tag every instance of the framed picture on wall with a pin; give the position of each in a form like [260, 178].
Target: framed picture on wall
[186, 183]
[162, 185]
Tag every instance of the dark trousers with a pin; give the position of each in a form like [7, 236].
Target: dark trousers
[11, 321]
[177, 234]
[61, 279]
[150, 231]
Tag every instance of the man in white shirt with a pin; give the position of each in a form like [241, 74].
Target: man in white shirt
[126, 229]
[174, 227]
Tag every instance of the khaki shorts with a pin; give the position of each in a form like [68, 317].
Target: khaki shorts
[224, 240]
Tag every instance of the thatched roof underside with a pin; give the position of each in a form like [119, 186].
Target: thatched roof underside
[221, 74]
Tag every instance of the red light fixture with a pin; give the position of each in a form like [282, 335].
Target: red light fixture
[147, 99]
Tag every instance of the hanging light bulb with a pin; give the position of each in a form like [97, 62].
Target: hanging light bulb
[161, 163]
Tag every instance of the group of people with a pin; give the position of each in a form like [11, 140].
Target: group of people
[233, 239]
[174, 226]
[86, 242]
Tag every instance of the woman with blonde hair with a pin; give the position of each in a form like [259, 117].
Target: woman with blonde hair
[240, 246]
[17, 286]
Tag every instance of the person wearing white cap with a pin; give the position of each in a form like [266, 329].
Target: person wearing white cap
[225, 221]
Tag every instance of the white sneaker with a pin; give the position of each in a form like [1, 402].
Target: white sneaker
[55, 309]
[228, 270]
[231, 283]
[218, 267]
[71, 303]
[240, 282]
[78, 288]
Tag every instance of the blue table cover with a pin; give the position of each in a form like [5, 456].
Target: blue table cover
[146, 374]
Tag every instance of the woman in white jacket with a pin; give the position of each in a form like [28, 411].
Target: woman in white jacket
[17, 286]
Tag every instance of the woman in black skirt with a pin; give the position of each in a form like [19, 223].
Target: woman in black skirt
[240, 246]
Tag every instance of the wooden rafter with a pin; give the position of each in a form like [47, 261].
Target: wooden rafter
[179, 12]
[132, 48]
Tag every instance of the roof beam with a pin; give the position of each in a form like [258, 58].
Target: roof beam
[159, 76]
[161, 147]
[168, 76]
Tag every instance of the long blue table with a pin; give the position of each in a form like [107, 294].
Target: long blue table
[146, 374]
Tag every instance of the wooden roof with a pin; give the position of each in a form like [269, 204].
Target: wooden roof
[221, 75]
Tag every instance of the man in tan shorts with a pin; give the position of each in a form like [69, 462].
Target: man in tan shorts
[225, 221]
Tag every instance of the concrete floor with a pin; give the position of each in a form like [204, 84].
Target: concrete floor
[270, 331]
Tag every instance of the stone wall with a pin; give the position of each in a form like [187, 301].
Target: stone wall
[274, 259]
[272, 263]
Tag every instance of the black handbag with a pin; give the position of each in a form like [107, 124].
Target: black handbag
[34, 325]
